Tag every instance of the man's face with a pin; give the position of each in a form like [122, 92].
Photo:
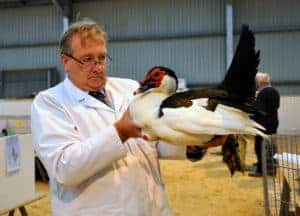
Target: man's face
[87, 77]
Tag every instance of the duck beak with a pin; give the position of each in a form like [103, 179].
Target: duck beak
[141, 89]
[144, 87]
[137, 91]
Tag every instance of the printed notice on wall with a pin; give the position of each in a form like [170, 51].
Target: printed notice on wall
[12, 154]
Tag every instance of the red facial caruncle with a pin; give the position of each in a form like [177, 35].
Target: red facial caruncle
[152, 80]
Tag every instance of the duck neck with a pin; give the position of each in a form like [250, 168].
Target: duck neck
[152, 100]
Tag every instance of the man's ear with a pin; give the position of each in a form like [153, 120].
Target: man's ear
[64, 61]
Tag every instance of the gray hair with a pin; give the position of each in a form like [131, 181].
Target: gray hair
[262, 79]
[86, 29]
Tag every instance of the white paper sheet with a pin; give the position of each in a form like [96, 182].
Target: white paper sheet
[12, 154]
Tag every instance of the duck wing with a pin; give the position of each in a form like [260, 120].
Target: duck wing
[184, 99]
[238, 87]
[224, 120]
[239, 81]
[195, 125]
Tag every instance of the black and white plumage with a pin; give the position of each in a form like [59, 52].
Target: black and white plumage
[176, 118]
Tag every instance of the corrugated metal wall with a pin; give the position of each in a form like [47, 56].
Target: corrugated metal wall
[185, 56]
[29, 57]
[277, 27]
[26, 82]
[29, 39]
[188, 36]
[30, 25]
[184, 35]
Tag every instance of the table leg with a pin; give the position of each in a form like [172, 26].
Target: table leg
[23, 211]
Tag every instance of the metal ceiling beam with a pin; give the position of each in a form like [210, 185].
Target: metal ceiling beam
[22, 3]
[229, 32]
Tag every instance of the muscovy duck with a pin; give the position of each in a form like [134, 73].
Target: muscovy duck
[177, 118]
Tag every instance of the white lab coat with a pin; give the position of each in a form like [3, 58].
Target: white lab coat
[91, 171]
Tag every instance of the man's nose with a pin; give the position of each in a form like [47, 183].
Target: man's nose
[99, 67]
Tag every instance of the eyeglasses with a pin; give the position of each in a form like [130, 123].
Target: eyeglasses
[89, 61]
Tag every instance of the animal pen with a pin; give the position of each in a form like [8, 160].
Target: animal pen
[281, 175]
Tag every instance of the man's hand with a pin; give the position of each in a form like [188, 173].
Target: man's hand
[217, 141]
[126, 127]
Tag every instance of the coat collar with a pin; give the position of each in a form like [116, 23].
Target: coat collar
[84, 98]
[263, 87]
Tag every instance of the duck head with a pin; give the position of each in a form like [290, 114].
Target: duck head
[158, 79]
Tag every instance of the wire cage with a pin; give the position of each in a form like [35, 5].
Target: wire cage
[281, 175]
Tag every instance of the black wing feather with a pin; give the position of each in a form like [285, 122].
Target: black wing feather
[239, 81]
[184, 99]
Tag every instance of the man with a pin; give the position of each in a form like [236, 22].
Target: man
[268, 101]
[97, 161]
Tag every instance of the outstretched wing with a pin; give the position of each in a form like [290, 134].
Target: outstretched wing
[239, 81]
[238, 87]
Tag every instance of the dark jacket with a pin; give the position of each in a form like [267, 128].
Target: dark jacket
[268, 101]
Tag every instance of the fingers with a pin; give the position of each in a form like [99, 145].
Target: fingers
[145, 137]
[127, 128]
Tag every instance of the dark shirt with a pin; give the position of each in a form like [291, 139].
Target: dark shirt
[268, 101]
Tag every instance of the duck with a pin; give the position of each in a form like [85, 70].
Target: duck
[178, 118]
